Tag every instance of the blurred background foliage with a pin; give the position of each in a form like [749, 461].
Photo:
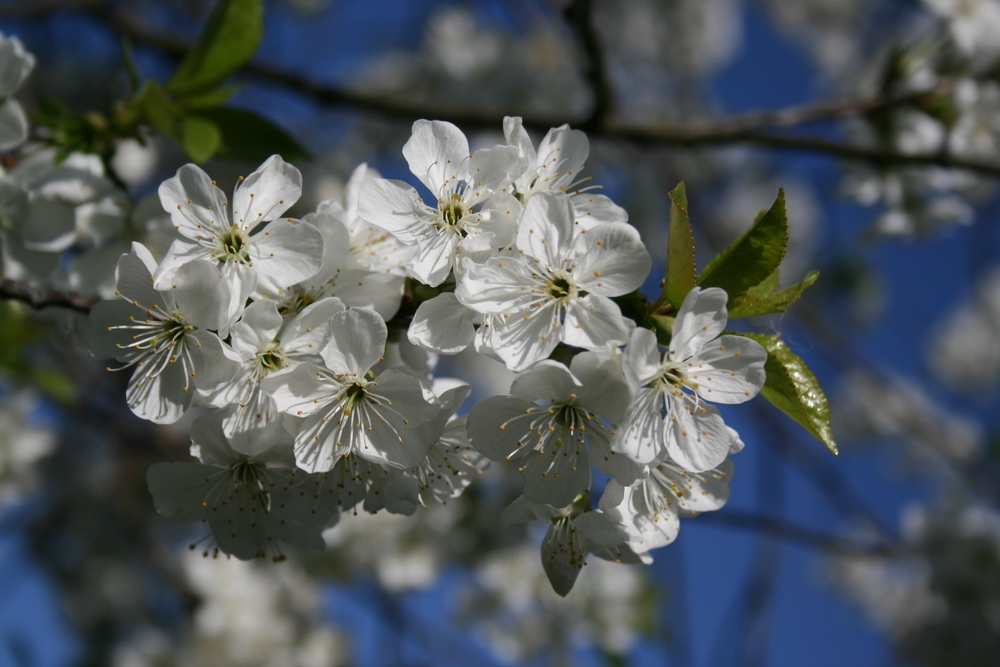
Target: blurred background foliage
[880, 118]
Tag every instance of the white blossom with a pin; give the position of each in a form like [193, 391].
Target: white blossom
[284, 251]
[558, 287]
[474, 209]
[165, 334]
[556, 167]
[250, 503]
[574, 532]
[15, 65]
[555, 442]
[652, 507]
[347, 409]
[669, 414]
[266, 343]
[341, 275]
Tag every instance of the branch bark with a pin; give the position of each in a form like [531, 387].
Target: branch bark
[580, 17]
[42, 298]
[754, 129]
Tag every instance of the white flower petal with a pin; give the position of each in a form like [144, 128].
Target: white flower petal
[257, 328]
[554, 476]
[442, 325]
[496, 286]
[266, 193]
[546, 228]
[546, 380]
[729, 369]
[604, 391]
[490, 168]
[13, 125]
[641, 359]
[593, 323]
[600, 528]
[642, 435]
[611, 260]
[498, 425]
[202, 294]
[287, 251]
[701, 318]
[395, 207]
[158, 397]
[301, 390]
[618, 466]
[15, 65]
[697, 438]
[436, 151]
[309, 331]
[357, 342]
[435, 258]
[529, 338]
[195, 205]
[592, 210]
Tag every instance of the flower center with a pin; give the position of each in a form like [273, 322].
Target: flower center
[355, 394]
[558, 286]
[296, 303]
[452, 214]
[233, 244]
[672, 374]
[252, 475]
[270, 360]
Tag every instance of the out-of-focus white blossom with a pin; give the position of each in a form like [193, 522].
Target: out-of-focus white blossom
[965, 349]
[24, 441]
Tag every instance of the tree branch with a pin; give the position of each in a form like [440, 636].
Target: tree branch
[43, 298]
[784, 530]
[754, 129]
[580, 17]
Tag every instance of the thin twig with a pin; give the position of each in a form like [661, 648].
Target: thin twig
[792, 532]
[754, 129]
[43, 298]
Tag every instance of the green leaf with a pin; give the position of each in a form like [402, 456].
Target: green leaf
[682, 273]
[250, 137]
[753, 256]
[201, 138]
[160, 111]
[632, 305]
[131, 68]
[209, 100]
[762, 299]
[793, 389]
[229, 40]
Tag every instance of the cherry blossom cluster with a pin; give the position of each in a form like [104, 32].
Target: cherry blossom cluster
[281, 329]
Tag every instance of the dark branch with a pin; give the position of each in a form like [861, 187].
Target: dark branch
[43, 298]
[754, 129]
[580, 17]
[781, 529]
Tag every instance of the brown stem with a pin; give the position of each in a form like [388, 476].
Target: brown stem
[43, 298]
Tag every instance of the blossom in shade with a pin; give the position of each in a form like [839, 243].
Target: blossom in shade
[165, 335]
[555, 423]
[250, 503]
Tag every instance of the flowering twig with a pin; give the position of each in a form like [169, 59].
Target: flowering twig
[42, 298]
